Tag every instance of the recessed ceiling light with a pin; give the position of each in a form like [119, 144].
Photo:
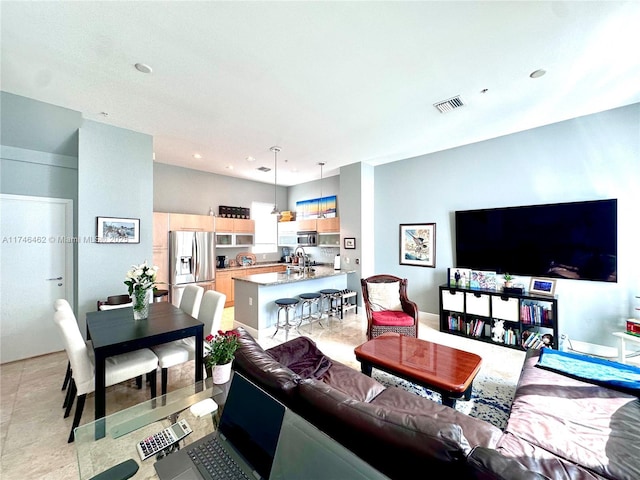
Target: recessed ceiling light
[197, 156]
[537, 73]
[229, 167]
[141, 67]
[250, 159]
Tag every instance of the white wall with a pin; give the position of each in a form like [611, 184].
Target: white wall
[588, 158]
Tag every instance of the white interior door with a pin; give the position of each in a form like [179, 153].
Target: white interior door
[36, 268]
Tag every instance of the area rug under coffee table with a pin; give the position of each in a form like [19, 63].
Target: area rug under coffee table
[491, 396]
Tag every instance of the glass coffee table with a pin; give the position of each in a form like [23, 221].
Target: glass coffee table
[124, 429]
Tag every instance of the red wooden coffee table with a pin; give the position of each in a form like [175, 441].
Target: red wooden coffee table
[446, 370]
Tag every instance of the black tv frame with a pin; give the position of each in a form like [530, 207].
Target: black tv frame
[574, 240]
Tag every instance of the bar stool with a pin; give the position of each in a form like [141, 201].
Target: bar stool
[308, 300]
[328, 296]
[286, 304]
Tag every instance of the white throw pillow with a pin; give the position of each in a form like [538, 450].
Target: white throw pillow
[384, 296]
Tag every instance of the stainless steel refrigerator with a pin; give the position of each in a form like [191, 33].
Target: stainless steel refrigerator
[191, 261]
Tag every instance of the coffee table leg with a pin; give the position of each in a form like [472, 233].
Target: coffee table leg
[366, 368]
[448, 401]
[467, 392]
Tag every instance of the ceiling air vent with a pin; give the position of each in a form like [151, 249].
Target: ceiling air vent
[448, 105]
[264, 169]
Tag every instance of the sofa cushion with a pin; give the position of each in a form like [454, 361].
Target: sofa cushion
[352, 382]
[582, 423]
[477, 432]
[488, 464]
[389, 317]
[260, 367]
[384, 296]
[301, 356]
[381, 436]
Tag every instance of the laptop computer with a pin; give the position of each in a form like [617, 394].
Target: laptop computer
[248, 432]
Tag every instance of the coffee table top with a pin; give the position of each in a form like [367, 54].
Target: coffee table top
[427, 363]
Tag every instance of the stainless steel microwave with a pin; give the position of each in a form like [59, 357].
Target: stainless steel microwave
[307, 239]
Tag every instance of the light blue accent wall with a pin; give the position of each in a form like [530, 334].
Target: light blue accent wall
[115, 177]
[588, 158]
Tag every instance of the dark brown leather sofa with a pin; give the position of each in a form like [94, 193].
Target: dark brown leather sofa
[393, 430]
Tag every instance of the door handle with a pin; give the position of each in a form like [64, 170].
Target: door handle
[57, 278]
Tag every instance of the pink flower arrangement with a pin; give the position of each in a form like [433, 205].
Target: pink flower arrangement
[221, 347]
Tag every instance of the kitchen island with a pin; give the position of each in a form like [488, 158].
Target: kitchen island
[255, 295]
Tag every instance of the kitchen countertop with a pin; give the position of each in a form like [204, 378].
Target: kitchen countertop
[281, 278]
[257, 265]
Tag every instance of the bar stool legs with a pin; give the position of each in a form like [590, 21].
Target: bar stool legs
[329, 302]
[308, 301]
[286, 304]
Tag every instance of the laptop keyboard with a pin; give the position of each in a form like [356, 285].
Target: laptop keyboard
[214, 462]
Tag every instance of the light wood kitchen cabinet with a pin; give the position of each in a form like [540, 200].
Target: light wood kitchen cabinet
[160, 230]
[328, 225]
[160, 247]
[307, 225]
[320, 225]
[225, 283]
[235, 225]
[161, 260]
[184, 221]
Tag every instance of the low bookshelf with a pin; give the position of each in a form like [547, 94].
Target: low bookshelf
[478, 314]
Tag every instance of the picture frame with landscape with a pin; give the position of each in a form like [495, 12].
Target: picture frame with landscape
[117, 230]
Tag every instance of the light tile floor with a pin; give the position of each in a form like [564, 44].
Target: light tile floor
[33, 432]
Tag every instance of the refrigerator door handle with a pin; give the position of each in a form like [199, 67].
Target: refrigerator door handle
[196, 258]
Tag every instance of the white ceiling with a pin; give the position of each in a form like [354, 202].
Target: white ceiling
[333, 82]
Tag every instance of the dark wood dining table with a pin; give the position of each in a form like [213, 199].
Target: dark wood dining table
[113, 332]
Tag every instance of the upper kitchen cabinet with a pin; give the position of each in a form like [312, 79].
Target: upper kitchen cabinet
[235, 225]
[183, 221]
[160, 229]
[328, 225]
[320, 225]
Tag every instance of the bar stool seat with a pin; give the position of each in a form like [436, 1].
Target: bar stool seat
[286, 304]
[308, 300]
[330, 299]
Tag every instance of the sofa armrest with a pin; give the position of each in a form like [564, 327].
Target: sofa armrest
[488, 464]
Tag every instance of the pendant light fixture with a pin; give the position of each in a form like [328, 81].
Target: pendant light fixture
[321, 205]
[275, 210]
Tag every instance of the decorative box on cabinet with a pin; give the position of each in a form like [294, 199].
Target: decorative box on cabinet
[474, 313]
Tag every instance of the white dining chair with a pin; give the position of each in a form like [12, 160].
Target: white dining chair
[118, 368]
[183, 350]
[60, 304]
[191, 298]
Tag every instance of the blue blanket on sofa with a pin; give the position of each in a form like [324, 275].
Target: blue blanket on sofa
[609, 374]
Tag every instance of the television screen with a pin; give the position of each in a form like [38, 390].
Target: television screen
[577, 240]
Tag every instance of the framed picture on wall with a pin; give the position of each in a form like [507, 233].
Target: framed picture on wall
[418, 244]
[118, 230]
[542, 286]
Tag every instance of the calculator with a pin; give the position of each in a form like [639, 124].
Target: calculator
[163, 439]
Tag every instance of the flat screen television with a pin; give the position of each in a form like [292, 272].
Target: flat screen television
[577, 240]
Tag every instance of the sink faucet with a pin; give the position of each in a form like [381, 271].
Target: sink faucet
[302, 257]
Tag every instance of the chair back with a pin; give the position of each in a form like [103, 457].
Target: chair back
[383, 278]
[77, 351]
[191, 298]
[61, 304]
[211, 309]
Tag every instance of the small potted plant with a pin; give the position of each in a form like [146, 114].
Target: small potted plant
[220, 351]
[508, 278]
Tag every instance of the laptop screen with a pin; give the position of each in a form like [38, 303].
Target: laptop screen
[251, 421]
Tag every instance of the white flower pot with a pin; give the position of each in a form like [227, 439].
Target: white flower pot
[221, 373]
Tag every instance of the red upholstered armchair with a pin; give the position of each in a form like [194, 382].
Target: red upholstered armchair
[387, 306]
